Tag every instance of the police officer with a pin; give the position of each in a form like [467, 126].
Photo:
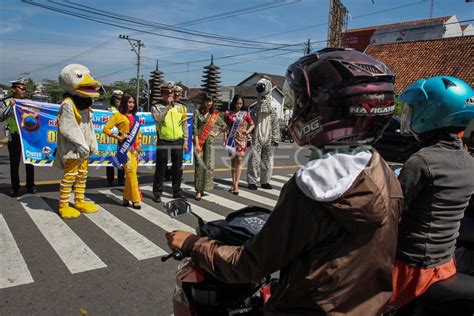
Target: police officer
[114, 107]
[14, 142]
[172, 132]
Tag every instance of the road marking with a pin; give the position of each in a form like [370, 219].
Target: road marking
[244, 184]
[227, 203]
[283, 178]
[14, 270]
[205, 214]
[152, 214]
[134, 242]
[250, 196]
[46, 182]
[75, 254]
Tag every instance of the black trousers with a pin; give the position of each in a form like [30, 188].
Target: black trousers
[163, 148]
[110, 174]
[14, 150]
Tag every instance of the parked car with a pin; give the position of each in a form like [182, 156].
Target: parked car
[395, 147]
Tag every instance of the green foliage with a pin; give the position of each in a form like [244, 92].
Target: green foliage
[30, 86]
[129, 87]
[288, 103]
[398, 108]
[54, 91]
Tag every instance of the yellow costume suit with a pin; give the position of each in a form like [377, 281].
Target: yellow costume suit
[131, 191]
[76, 138]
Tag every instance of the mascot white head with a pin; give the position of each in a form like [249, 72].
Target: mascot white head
[77, 80]
[264, 89]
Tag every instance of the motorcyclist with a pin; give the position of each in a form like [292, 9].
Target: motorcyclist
[437, 182]
[333, 231]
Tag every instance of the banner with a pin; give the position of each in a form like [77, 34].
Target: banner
[38, 128]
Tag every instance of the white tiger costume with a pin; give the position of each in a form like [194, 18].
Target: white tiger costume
[266, 134]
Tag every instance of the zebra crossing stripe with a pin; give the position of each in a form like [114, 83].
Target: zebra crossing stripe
[283, 178]
[152, 214]
[250, 196]
[244, 184]
[227, 203]
[205, 214]
[75, 254]
[13, 267]
[134, 242]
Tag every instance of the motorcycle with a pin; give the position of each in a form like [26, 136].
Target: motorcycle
[197, 292]
[453, 296]
[285, 134]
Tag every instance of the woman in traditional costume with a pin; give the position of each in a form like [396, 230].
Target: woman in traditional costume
[206, 126]
[128, 126]
[239, 126]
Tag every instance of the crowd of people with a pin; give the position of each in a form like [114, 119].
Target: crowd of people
[347, 235]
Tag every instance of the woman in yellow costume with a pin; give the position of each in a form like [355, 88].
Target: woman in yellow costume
[125, 120]
[76, 138]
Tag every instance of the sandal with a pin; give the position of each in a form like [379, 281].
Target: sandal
[198, 197]
[136, 206]
[126, 203]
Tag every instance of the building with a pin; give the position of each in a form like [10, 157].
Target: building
[452, 56]
[427, 29]
[411, 61]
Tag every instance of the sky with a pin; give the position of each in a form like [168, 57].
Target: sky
[260, 36]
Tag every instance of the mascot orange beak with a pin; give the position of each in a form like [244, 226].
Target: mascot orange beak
[88, 87]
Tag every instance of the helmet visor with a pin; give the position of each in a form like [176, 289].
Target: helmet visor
[406, 119]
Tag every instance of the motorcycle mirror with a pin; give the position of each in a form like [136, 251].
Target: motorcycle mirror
[177, 208]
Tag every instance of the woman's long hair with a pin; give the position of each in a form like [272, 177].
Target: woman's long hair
[206, 97]
[123, 108]
[233, 104]
[112, 100]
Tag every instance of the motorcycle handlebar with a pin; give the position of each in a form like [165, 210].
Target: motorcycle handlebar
[176, 255]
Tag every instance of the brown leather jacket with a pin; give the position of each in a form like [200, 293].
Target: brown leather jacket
[335, 258]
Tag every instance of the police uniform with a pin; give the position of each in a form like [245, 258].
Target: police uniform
[172, 131]
[14, 146]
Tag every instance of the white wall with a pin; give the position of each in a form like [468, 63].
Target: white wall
[468, 30]
[453, 28]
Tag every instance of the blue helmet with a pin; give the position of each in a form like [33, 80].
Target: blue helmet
[437, 103]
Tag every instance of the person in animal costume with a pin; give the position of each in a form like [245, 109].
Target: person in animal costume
[76, 138]
[265, 135]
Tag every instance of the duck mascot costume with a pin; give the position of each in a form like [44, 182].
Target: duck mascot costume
[265, 135]
[76, 138]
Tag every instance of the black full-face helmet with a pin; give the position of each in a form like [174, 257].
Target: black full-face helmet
[340, 97]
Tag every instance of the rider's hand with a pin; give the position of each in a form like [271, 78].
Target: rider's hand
[185, 146]
[176, 239]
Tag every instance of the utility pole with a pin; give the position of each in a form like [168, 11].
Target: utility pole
[136, 45]
[307, 47]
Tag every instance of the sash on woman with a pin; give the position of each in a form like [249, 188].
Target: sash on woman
[121, 157]
[230, 145]
[207, 130]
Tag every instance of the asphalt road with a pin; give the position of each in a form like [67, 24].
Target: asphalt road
[108, 262]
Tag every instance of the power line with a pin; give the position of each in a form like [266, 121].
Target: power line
[141, 22]
[176, 28]
[325, 23]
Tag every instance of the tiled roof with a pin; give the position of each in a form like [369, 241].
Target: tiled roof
[387, 26]
[193, 92]
[276, 80]
[411, 61]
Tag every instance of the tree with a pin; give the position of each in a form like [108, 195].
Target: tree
[53, 89]
[398, 108]
[30, 86]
